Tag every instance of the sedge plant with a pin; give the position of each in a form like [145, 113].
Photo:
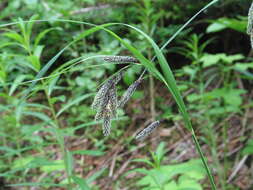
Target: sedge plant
[165, 76]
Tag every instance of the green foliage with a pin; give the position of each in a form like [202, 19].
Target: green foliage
[248, 149]
[162, 176]
[227, 23]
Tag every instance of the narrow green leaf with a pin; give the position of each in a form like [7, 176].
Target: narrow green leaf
[89, 152]
[144, 161]
[15, 36]
[95, 176]
[42, 35]
[81, 182]
[35, 185]
[38, 115]
[30, 24]
[69, 162]
[17, 81]
[52, 84]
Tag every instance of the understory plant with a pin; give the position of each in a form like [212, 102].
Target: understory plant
[174, 176]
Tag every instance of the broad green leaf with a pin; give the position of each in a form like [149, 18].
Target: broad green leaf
[35, 62]
[229, 95]
[171, 185]
[38, 51]
[224, 23]
[243, 66]
[160, 150]
[155, 177]
[57, 165]
[213, 59]
[191, 172]
[216, 27]
[248, 149]
[186, 183]
[233, 96]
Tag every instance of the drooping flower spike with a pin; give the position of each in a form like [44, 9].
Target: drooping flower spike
[147, 131]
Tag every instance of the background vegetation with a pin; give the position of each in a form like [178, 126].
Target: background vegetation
[51, 141]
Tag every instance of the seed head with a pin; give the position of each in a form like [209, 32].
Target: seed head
[147, 131]
[120, 59]
[251, 40]
[250, 24]
[102, 94]
[129, 92]
[107, 125]
[105, 102]
[113, 101]
[250, 19]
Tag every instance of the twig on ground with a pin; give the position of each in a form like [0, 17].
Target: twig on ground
[237, 167]
[113, 164]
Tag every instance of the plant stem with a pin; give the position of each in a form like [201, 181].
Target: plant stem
[152, 97]
[213, 145]
[152, 92]
[225, 140]
[203, 159]
[58, 135]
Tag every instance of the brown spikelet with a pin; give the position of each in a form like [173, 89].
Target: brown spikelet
[100, 96]
[99, 115]
[129, 92]
[147, 131]
[105, 102]
[250, 24]
[120, 59]
[250, 19]
[105, 88]
[113, 101]
[118, 76]
[107, 125]
[251, 40]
